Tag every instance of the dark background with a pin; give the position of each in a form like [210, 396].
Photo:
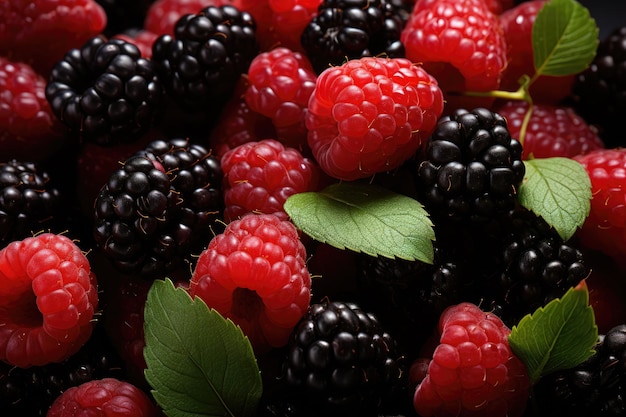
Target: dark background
[609, 14]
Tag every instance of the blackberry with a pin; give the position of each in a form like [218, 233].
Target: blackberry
[597, 387]
[29, 202]
[472, 167]
[201, 63]
[105, 92]
[31, 391]
[341, 362]
[349, 29]
[600, 91]
[158, 207]
[536, 266]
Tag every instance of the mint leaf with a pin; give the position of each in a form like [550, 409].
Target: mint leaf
[365, 218]
[564, 38]
[560, 335]
[559, 190]
[199, 364]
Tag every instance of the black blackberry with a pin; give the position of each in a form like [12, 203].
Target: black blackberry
[341, 362]
[159, 207]
[29, 392]
[105, 92]
[351, 29]
[202, 62]
[536, 266]
[600, 90]
[29, 202]
[595, 388]
[472, 167]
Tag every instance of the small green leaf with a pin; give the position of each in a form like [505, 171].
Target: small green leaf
[198, 363]
[559, 190]
[560, 335]
[564, 38]
[365, 218]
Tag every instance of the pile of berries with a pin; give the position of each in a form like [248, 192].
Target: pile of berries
[161, 139]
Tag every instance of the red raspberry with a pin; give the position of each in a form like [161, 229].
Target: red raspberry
[107, 397]
[28, 129]
[460, 43]
[605, 227]
[517, 25]
[280, 85]
[48, 296]
[370, 115]
[142, 39]
[552, 130]
[260, 176]
[40, 32]
[473, 371]
[499, 6]
[162, 15]
[255, 273]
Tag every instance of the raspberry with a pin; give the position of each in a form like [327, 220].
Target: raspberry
[604, 228]
[103, 397]
[517, 24]
[597, 387]
[460, 43]
[343, 30]
[553, 130]
[472, 371]
[472, 166]
[162, 15]
[600, 92]
[280, 85]
[201, 64]
[105, 92]
[370, 115]
[260, 176]
[28, 129]
[499, 6]
[60, 24]
[340, 361]
[142, 39]
[48, 296]
[255, 273]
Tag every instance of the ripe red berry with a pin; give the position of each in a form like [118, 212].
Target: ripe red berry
[280, 83]
[107, 397]
[260, 176]
[255, 273]
[553, 130]
[460, 43]
[605, 227]
[370, 115]
[473, 371]
[40, 32]
[48, 296]
[28, 129]
[517, 24]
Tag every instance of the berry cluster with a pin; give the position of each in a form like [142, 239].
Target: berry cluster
[272, 159]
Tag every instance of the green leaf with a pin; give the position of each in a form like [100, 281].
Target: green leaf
[564, 38]
[198, 363]
[559, 190]
[560, 335]
[365, 218]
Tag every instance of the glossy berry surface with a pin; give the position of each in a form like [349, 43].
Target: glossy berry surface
[255, 273]
[370, 115]
[49, 297]
[473, 370]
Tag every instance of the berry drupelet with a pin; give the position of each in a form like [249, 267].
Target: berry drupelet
[105, 92]
[472, 167]
[201, 64]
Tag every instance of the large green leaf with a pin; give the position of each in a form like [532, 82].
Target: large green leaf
[365, 218]
[559, 190]
[564, 38]
[558, 336]
[198, 363]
